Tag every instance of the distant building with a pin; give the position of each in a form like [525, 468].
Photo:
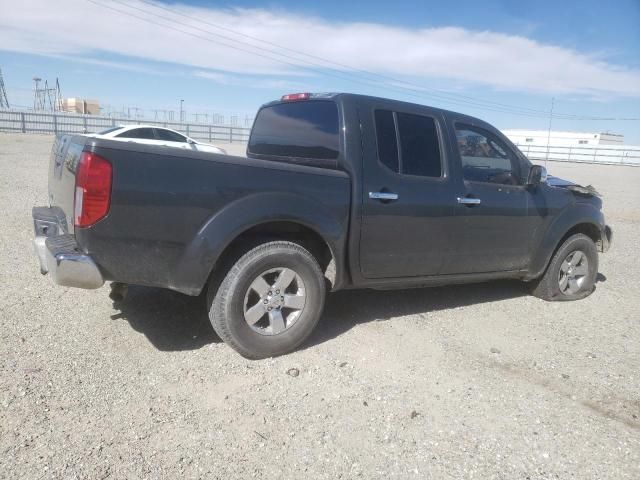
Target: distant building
[81, 105]
[562, 139]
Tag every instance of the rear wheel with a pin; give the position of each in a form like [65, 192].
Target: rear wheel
[571, 274]
[269, 301]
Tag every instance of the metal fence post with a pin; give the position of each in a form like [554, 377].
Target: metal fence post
[209, 133]
[230, 134]
[187, 129]
[55, 124]
[24, 127]
[84, 124]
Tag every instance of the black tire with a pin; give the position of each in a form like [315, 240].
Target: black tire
[227, 303]
[548, 287]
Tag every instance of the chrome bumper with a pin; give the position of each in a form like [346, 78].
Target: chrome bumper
[60, 256]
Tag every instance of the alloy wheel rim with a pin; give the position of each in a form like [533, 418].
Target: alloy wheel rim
[274, 301]
[573, 272]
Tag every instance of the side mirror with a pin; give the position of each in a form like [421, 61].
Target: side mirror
[190, 141]
[537, 175]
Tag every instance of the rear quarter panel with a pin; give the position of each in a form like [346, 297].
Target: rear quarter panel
[63, 162]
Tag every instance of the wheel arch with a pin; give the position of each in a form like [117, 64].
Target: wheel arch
[251, 221]
[584, 219]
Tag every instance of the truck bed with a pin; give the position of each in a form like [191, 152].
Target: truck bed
[174, 211]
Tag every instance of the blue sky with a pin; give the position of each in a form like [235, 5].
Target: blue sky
[500, 60]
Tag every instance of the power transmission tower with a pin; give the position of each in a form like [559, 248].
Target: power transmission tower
[4, 101]
[37, 98]
[48, 99]
[58, 97]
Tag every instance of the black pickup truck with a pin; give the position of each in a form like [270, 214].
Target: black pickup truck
[336, 191]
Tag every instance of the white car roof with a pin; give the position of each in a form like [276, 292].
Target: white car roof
[126, 128]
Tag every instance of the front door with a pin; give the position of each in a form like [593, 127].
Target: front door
[493, 231]
[408, 199]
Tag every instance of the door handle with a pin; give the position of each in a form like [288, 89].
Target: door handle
[469, 201]
[383, 195]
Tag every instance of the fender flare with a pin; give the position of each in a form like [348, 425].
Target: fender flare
[576, 214]
[191, 271]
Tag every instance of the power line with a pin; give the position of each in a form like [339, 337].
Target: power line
[475, 101]
[337, 73]
[349, 76]
[333, 62]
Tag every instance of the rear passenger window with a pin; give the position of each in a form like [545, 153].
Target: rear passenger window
[419, 148]
[143, 133]
[387, 141]
[169, 136]
[416, 151]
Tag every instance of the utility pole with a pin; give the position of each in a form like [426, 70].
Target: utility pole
[181, 111]
[549, 132]
[4, 102]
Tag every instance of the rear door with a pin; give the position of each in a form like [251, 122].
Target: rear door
[408, 194]
[492, 227]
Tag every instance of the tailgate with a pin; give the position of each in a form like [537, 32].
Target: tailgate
[65, 154]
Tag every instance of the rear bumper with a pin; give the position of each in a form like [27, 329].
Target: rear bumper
[59, 254]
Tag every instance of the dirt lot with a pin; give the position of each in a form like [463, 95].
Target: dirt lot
[475, 381]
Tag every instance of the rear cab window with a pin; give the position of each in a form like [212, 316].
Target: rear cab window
[307, 131]
[408, 144]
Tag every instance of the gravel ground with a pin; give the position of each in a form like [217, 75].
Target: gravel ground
[476, 381]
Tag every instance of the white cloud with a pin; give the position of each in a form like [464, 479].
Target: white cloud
[82, 28]
[250, 81]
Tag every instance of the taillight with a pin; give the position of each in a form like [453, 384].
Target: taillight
[93, 189]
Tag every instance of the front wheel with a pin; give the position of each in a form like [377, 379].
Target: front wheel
[269, 301]
[572, 272]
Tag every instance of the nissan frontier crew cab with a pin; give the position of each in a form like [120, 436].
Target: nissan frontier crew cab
[336, 191]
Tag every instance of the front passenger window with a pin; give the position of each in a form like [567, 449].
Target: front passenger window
[485, 158]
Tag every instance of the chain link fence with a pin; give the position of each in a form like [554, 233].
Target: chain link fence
[52, 123]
